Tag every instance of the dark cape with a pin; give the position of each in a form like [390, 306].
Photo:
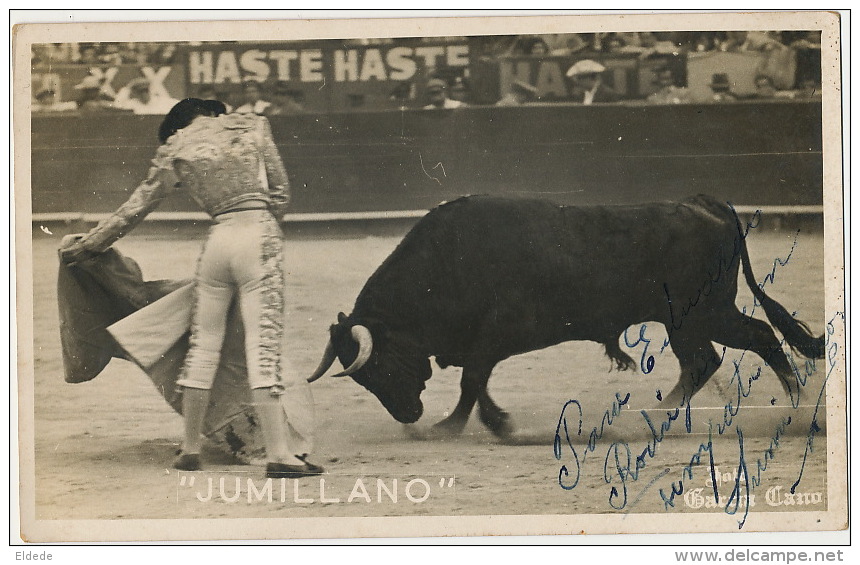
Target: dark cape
[108, 310]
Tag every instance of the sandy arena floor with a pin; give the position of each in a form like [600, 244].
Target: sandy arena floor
[104, 448]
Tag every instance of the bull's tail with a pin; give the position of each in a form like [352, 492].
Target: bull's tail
[797, 334]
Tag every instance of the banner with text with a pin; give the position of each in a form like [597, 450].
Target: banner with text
[325, 75]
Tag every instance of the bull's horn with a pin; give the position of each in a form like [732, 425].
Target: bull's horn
[362, 337]
[327, 360]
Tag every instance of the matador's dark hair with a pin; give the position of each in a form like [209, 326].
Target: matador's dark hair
[184, 112]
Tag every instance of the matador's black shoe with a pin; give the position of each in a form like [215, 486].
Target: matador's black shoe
[304, 457]
[286, 471]
[187, 462]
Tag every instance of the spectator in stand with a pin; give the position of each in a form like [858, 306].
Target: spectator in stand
[147, 51]
[564, 43]
[52, 53]
[88, 54]
[705, 41]
[164, 54]
[92, 97]
[519, 93]
[643, 43]
[132, 54]
[538, 48]
[765, 89]
[779, 61]
[668, 92]
[138, 97]
[46, 101]
[596, 42]
[235, 98]
[721, 88]
[459, 90]
[762, 41]
[490, 47]
[750, 41]
[681, 40]
[39, 55]
[529, 45]
[402, 94]
[284, 102]
[626, 42]
[587, 84]
[253, 96]
[110, 54]
[437, 95]
[62, 53]
[208, 92]
[803, 39]
[732, 41]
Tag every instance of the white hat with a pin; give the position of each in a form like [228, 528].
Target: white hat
[585, 67]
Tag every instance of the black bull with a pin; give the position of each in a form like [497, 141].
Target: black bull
[481, 279]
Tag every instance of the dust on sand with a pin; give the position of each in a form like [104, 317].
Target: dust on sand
[103, 449]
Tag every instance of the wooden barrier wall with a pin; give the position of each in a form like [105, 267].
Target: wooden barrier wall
[751, 153]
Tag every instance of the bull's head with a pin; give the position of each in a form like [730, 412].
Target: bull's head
[386, 363]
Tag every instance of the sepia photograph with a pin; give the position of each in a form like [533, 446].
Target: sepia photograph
[399, 277]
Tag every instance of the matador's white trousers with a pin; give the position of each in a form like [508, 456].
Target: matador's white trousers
[243, 257]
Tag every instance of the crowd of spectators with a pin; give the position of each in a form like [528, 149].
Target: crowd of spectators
[264, 99]
[791, 61]
[137, 97]
[585, 85]
[103, 54]
[641, 43]
[94, 95]
[450, 87]
[649, 43]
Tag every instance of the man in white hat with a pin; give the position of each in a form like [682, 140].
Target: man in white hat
[138, 97]
[437, 96]
[587, 83]
[92, 96]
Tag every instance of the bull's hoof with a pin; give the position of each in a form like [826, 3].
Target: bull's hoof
[625, 364]
[187, 462]
[620, 360]
[447, 428]
[500, 423]
[792, 389]
[677, 398]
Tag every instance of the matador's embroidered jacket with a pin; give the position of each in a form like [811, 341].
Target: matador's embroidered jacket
[221, 161]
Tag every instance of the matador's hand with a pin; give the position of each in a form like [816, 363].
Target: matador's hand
[72, 250]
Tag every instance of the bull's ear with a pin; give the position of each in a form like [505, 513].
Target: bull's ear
[341, 318]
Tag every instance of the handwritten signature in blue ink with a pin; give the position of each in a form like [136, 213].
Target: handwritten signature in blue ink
[831, 348]
[594, 435]
[619, 465]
